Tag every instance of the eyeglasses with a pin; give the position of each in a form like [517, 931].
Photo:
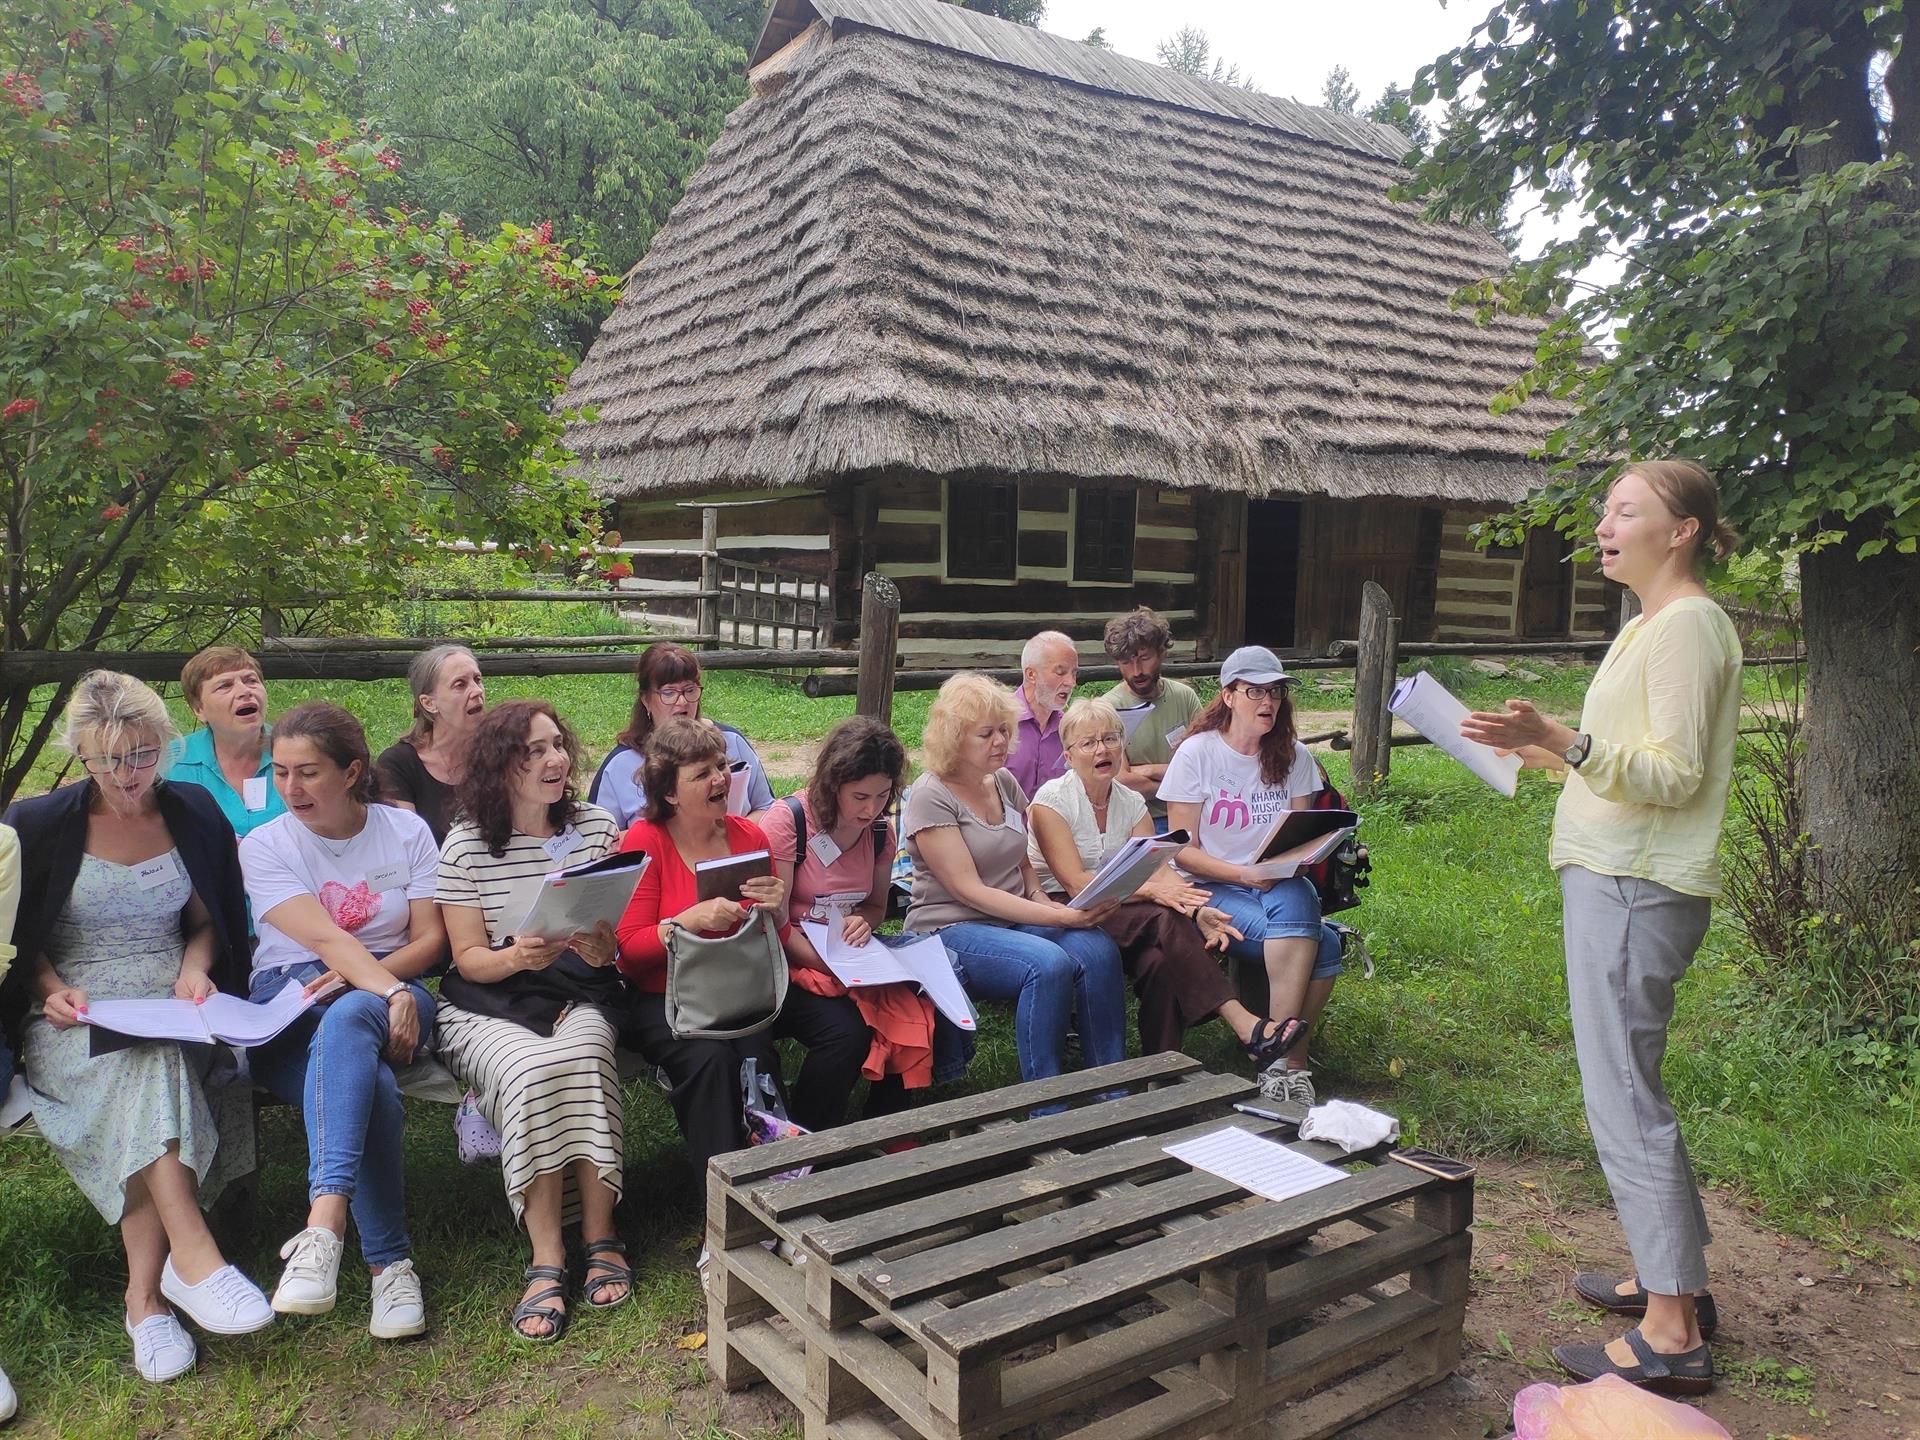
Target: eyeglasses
[1263, 692]
[144, 758]
[674, 694]
[1094, 742]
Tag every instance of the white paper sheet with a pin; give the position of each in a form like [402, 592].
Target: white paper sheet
[923, 962]
[1290, 864]
[1128, 868]
[737, 776]
[219, 1017]
[1427, 705]
[1262, 1166]
[1131, 717]
[570, 901]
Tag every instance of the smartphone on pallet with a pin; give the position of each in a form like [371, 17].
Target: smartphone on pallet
[1433, 1164]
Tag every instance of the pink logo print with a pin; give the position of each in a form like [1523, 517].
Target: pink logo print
[1229, 809]
[350, 909]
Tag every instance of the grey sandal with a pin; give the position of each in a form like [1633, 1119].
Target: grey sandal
[1603, 1292]
[613, 1272]
[536, 1306]
[1689, 1373]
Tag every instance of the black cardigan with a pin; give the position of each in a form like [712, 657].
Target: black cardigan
[53, 836]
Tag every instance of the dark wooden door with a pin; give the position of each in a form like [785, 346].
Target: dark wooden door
[1546, 584]
[1344, 544]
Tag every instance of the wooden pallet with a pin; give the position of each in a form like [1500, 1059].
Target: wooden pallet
[1015, 1268]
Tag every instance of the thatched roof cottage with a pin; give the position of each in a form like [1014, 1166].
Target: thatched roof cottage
[1041, 331]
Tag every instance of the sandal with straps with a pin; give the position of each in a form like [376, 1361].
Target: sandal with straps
[1271, 1039]
[1687, 1373]
[535, 1306]
[614, 1272]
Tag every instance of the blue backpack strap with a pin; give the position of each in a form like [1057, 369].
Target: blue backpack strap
[799, 813]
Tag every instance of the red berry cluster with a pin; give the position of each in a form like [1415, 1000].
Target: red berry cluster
[22, 89]
[16, 408]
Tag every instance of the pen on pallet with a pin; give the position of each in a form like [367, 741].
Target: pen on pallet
[1264, 1114]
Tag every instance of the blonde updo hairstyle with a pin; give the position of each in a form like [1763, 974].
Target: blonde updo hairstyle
[1687, 490]
[966, 700]
[110, 708]
[1089, 715]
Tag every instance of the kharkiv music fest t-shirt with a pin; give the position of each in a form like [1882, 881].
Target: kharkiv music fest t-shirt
[1236, 805]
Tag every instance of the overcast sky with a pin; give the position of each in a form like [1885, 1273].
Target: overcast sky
[1287, 46]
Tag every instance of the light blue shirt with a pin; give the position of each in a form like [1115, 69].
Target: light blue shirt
[198, 765]
[617, 785]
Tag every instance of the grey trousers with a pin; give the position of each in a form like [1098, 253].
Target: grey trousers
[1628, 942]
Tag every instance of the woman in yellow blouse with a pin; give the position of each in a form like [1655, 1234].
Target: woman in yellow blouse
[1635, 843]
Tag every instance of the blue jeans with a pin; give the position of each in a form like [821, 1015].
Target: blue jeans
[1048, 973]
[329, 1063]
[1289, 909]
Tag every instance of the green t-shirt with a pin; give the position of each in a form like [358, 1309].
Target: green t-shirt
[1148, 745]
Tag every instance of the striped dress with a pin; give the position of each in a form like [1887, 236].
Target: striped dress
[553, 1099]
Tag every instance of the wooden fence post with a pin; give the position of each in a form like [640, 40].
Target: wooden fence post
[1370, 687]
[879, 647]
[1390, 676]
[708, 623]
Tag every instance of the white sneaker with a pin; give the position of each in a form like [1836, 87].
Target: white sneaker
[225, 1303]
[1277, 1082]
[162, 1349]
[399, 1309]
[9, 1402]
[310, 1283]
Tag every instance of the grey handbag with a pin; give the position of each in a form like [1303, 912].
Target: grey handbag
[725, 987]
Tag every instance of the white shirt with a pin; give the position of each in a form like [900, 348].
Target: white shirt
[1237, 807]
[1066, 796]
[365, 883]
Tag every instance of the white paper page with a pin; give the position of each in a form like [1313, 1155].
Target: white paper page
[737, 788]
[156, 1019]
[1262, 1166]
[567, 903]
[1427, 705]
[1285, 867]
[930, 964]
[1126, 870]
[240, 1022]
[922, 962]
[1132, 716]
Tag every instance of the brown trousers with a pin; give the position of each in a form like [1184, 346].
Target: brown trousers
[1179, 983]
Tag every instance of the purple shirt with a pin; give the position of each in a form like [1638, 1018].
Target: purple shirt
[1039, 756]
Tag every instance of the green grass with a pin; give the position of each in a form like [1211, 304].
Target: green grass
[1463, 1033]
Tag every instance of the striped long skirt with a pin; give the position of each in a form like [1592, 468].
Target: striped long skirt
[553, 1099]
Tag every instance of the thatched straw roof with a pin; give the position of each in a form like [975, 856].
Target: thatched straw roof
[938, 242]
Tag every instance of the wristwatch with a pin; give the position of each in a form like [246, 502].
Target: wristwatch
[1576, 754]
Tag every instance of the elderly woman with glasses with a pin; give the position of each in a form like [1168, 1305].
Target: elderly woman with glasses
[131, 889]
[1074, 823]
[669, 689]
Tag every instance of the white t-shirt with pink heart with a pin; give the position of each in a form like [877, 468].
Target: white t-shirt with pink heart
[365, 883]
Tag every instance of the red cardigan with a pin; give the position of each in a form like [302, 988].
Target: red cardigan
[666, 888]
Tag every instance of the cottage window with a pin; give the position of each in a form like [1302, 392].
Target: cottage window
[982, 530]
[1103, 535]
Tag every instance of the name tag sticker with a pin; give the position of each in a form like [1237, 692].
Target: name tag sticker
[386, 877]
[253, 790]
[823, 849]
[558, 847]
[152, 874]
[1016, 822]
[1176, 735]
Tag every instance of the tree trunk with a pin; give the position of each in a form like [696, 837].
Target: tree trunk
[1862, 621]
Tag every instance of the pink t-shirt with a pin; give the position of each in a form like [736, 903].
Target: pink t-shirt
[846, 878]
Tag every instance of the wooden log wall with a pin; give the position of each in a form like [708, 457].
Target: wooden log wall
[900, 523]
[1477, 595]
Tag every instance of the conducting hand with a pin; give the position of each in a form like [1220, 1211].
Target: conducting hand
[1515, 728]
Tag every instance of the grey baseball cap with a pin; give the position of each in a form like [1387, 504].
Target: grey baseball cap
[1254, 664]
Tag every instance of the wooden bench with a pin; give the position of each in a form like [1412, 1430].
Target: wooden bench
[1013, 1267]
